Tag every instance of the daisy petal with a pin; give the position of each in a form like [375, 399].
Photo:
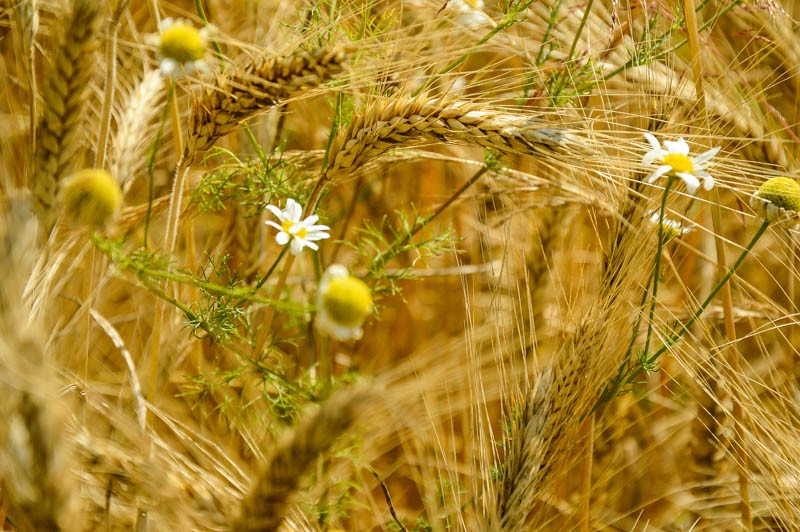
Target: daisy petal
[317, 236]
[297, 246]
[653, 142]
[661, 170]
[650, 157]
[692, 183]
[282, 238]
[293, 210]
[706, 156]
[169, 67]
[677, 146]
[273, 224]
[276, 211]
[318, 228]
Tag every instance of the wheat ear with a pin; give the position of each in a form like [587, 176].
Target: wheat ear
[135, 128]
[568, 391]
[34, 466]
[265, 506]
[397, 122]
[64, 97]
[255, 87]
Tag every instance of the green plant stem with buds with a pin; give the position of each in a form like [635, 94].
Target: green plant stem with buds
[508, 20]
[145, 272]
[635, 61]
[388, 253]
[628, 372]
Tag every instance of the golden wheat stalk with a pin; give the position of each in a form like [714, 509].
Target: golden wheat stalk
[255, 87]
[567, 392]
[400, 121]
[135, 129]
[266, 504]
[34, 461]
[64, 98]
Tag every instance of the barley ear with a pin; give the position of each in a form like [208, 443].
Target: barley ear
[34, 464]
[136, 129]
[254, 87]
[265, 507]
[64, 96]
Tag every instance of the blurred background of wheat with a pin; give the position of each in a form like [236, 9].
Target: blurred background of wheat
[146, 382]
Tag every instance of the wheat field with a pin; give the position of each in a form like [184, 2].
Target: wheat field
[490, 265]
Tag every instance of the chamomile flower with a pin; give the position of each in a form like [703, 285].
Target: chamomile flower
[300, 233]
[343, 303]
[775, 197]
[181, 47]
[670, 228]
[90, 197]
[674, 161]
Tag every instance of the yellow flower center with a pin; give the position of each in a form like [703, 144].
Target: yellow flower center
[182, 43]
[286, 225]
[90, 197]
[783, 192]
[669, 231]
[302, 233]
[679, 163]
[347, 301]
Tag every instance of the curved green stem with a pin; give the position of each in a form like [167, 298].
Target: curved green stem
[263, 280]
[657, 263]
[699, 312]
[151, 159]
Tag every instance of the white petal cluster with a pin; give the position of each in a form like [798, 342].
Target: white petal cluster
[292, 230]
[674, 161]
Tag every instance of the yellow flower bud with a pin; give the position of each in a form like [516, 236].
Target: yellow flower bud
[90, 197]
[183, 43]
[776, 196]
[344, 302]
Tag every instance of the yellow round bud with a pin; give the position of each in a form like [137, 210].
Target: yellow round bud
[347, 301]
[776, 196]
[343, 303]
[90, 197]
[783, 192]
[183, 43]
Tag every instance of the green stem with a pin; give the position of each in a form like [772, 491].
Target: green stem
[633, 61]
[402, 241]
[685, 328]
[263, 280]
[657, 264]
[508, 20]
[627, 372]
[151, 159]
[201, 12]
[256, 146]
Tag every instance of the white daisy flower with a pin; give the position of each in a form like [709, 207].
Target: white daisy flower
[301, 233]
[670, 228]
[181, 47]
[674, 161]
[343, 303]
